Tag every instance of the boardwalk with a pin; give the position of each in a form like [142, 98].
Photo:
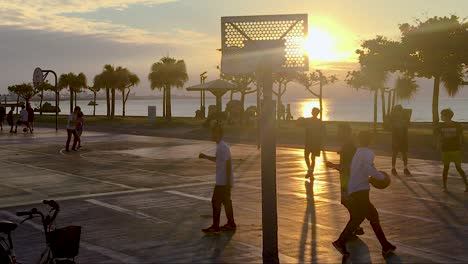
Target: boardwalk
[145, 199]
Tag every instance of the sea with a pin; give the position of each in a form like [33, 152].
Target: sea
[356, 109]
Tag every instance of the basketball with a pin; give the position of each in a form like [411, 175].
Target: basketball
[381, 184]
[25, 130]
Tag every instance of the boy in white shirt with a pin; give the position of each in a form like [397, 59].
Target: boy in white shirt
[23, 119]
[362, 166]
[224, 180]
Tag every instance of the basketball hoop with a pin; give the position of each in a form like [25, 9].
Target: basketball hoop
[247, 41]
[38, 77]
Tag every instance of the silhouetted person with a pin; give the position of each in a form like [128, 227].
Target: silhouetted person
[30, 117]
[79, 127]
[10, 119]
[314, 137]
[224, 180]
[399, 125]
[71, 129]
[2, 116]
[23, 119]
[451, 142]
[362, 166]
[345, 134]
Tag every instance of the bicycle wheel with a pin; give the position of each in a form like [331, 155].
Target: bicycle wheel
[5, 256]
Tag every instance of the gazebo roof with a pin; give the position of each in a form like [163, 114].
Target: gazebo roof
[213, 86]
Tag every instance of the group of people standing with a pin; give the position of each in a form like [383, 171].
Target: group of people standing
[357, 169]
[75, 123]
[26, 118]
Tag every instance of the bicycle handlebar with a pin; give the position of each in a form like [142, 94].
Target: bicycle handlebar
[52, 204]
[33, 211]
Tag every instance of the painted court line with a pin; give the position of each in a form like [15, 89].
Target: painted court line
[114, 255]
[119, 209]
[72, 175]
[420, 253]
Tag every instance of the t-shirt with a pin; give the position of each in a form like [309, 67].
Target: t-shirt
[223, 154]
[362, 166]
[24, 115]
[71, 121]
[10, 116]
[2, 113]
[314, 131]
[346, 156]
[79, 124]
[450, 134]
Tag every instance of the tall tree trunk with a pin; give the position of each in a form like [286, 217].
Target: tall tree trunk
[108, 101]
[40, 103]
[168, 104]
[123, 102]
[17, 102]
[242, 99]
[164, 102]
[320, 98]
[76, 98]
[113, 103]
[393, 99]
[94, 106]
[232, 95]
[376, 96]
[71, 100]
[435, 105]
[382, 97]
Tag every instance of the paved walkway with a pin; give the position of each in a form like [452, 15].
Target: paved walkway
[145, 199]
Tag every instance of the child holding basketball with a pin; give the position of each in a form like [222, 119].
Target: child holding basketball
[451, 142]
[344, 167]
[362, 166]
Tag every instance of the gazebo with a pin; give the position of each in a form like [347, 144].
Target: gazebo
[217, 87]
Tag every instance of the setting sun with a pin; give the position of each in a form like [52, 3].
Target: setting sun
[322, 46]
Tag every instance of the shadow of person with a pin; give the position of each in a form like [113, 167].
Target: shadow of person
[210, 247]
[309, 218]
[359, 251]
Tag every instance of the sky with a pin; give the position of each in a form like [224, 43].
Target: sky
[83, 35]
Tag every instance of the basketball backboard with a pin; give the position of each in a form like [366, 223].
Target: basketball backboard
[247, 41]
[38, 76]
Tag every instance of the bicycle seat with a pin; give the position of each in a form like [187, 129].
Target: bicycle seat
[7, 226]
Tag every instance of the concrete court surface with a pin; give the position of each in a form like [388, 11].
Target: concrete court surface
[144, 200]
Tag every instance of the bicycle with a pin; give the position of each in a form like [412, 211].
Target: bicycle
[62, 245]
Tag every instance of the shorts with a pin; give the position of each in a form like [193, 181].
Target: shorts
[452, 156]
[399, 142]
[314, 150]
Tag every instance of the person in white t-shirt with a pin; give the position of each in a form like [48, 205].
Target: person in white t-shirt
[71, 129]
[362, 166]
[224, 181]
[23, 119]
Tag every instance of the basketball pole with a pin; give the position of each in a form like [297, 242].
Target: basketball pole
[268, 167]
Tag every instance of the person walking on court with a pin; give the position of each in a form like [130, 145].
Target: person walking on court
[347, 151]
[71, 129]
[224, 181]
[362, 166]
[314, 137]
[451, 141]
[30, 117]
[79, 127]
[2, 116]
[23, 119]
[399, 125]
[10, 119]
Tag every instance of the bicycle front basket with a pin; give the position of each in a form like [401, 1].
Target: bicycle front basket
[65, 242]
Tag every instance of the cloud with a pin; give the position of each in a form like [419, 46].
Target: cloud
[50, 16]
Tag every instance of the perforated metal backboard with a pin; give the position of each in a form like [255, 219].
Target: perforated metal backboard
[248, 41]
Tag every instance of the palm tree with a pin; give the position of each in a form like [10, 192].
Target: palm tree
[166, 73]
[74, 83]
[94, 89]
[308, 80]
[437, 49]
[107, 80]
[125, 80]
[369, 79]
[282, 79]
